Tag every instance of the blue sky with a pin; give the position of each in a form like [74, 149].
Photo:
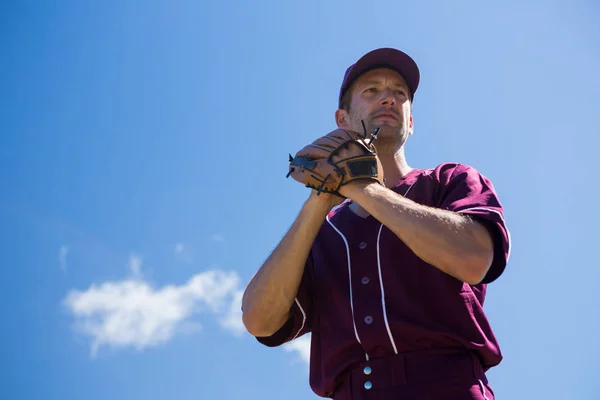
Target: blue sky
[143, 158]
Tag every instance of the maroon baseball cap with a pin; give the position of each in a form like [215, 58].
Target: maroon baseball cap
[384, 57]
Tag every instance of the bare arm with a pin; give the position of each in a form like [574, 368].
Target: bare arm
[454, 243]
[270, 294]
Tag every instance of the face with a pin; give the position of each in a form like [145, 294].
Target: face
[380, 98]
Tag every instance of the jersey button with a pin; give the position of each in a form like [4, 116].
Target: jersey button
[365, 280]
[368, 319]
[362, 245]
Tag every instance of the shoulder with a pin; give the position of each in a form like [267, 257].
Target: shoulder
[450, 169]
[455, 172]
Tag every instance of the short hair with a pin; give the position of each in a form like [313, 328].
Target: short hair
[347, 98]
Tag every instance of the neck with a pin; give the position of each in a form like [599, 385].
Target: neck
[395, 168]
[394, 165]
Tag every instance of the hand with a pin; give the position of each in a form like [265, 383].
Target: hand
[325, 200]
[323, 146]
[349, 190]
[335, 160]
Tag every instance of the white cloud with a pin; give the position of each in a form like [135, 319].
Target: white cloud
[232, 320]
[62, 257]
[301, 346]
[132, 313]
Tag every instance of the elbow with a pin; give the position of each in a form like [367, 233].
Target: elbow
[249, 318]
[473, 278]
[252, 325]
[476, 270]
[480, 256]
[256, 321]
[257, 326]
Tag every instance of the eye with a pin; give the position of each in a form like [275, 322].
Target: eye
[371, 90]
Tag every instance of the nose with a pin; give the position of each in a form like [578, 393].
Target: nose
[388, 98]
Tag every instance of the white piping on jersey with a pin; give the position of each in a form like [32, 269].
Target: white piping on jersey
[383, 307]
[385, 319]
[349, 280]
[410, 187]
[303, 319]
[501, 217]
[483, 392]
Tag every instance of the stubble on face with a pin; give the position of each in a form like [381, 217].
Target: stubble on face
[393, 132]
[392, 135]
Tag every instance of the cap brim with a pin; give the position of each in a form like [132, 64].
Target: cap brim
[384, 57]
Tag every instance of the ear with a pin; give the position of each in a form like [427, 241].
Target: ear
[341, 118]
[411, 126]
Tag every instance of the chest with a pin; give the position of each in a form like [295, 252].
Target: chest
[354, 254]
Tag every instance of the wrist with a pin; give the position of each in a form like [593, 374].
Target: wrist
[355, 188]
[320, 204]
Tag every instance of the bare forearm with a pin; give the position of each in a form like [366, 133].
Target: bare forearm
[271, 292]
[452, 242]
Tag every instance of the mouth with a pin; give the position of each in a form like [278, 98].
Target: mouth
[386, 116]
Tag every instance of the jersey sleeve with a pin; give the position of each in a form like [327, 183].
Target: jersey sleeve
[301, 313]
[465, 190]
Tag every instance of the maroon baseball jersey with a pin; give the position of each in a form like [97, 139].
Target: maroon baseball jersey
[364, 294]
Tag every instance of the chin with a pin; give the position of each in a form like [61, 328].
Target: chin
[388, 129]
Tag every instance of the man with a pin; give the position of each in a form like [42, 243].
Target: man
[392, 282]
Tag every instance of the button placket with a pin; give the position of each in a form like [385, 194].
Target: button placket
[368, 384]
[366, 295]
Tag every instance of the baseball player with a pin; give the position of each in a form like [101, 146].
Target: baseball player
[386, 265]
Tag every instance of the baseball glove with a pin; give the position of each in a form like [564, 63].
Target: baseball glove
[335, 160]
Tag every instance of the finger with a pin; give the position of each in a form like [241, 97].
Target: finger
[329, 142]
[313, 152]
[346, 134]
[352, 149]
[343, 155]
[323, 146]
[325, 142]
[340, 136]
